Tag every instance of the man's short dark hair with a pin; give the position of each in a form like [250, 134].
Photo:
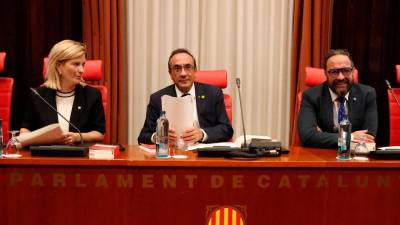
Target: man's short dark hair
[333, 52]
[181, 50]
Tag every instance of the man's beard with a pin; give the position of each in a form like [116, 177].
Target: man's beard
[341, 92]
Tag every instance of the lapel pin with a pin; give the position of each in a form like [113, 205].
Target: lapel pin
[79, 107]
[202, 96]
[354, 99]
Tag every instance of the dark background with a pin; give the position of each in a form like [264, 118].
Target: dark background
[28, 31]
[369, 29]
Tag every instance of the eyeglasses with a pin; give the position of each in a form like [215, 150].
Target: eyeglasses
[187, 67]
[346, 71]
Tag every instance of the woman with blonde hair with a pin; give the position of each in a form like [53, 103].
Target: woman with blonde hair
[65, 89]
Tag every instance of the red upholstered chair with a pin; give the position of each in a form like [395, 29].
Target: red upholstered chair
[394, 113]
[2, 61]
[93, 72]
[6, 87]
[217, 78]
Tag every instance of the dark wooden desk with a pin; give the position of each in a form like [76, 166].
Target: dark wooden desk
[307, 186]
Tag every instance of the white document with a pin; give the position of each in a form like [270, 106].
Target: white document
[49, 134]
[179, 112]
[390, 148]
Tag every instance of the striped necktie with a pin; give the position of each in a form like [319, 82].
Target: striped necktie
[342, 109]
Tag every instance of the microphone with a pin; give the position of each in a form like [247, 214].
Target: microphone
[55, 110]
[241, 111]
[392, 92]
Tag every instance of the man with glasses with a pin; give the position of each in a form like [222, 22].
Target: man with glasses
[324, 106]
[209, 110]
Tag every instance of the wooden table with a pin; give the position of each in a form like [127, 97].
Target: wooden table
[306, 186]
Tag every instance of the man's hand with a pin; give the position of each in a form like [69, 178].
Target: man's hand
[192, 135]
[172, 136]
[356, 135]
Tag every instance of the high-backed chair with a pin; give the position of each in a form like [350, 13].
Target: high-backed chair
[217, 78]
[394, 113]
[93, 72]
[6, 87]
[2, 60]
[313, 77]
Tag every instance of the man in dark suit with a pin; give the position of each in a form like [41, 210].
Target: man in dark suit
[319, 111]
[209, 110]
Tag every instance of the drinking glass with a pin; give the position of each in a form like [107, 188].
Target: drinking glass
[361, 150]
[11, 150]
[180, 149]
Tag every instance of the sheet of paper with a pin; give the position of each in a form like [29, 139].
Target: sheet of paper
[390, 148]
[49, 134]
[216, 144]
[179, 112]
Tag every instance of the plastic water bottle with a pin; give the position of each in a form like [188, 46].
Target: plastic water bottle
[1, 137]
[162, 145]
[344, 140]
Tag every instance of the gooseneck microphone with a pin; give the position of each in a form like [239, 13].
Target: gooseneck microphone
[55, 110]
[392, 92]
[241, 112]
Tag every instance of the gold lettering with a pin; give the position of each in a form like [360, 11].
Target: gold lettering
[263, 181]
[190, 179]
[101, 181]
[322, 182]
[217, 181]
[15, 178]
[383, 181]
[285, 182]
[169, 181]
[362, 183]
[124, 181]
[59, 180]
[303, 180]
[148, 181]
[37, 180]
[78, 181]
[341, 183]
[237, 181]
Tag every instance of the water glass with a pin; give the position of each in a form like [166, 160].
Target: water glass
[12, 147]
[180, 150]
[361, 150]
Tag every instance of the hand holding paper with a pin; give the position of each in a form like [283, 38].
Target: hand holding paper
[179, 112]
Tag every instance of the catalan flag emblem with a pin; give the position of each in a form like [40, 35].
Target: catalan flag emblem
[225, 216]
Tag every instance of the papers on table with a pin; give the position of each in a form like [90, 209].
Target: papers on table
[390, 148]
[236, 144]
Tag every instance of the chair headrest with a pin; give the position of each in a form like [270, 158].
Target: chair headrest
[398, 73]
[92, 71]
[213, 77]
[316, 76]
[2, 60]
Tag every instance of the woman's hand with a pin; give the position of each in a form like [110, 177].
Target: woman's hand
[70, 138]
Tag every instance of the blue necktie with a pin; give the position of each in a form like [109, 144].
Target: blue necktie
[342, 109]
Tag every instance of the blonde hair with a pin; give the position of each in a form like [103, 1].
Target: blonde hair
[60, 53]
